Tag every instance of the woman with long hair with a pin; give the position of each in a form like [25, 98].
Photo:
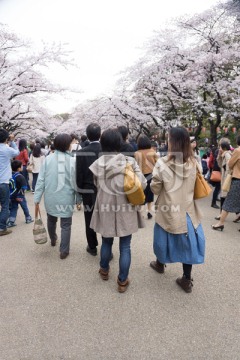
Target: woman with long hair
[36, 160]
[178, 234]
[195, 150]
[232, 201]
[224, 155]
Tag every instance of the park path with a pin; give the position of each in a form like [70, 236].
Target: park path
[60, 309]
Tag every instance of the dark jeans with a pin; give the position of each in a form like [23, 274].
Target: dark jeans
[66, 224]
[125, 255]
[88, 204]
[4, 202]
[25, 174]
[35, 176]
[14, 208]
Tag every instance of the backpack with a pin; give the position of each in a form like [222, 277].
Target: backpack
[13, 186]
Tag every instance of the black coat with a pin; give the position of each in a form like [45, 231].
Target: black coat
[127, 149]
[84, 158]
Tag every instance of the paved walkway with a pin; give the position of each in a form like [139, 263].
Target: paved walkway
[61, 309]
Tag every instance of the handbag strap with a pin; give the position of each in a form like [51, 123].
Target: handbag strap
[37, 211]
[127, 162]
[198, 167]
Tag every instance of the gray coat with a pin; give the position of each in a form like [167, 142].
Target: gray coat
[113, 215]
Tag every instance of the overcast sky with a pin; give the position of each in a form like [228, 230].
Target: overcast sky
[104, 35]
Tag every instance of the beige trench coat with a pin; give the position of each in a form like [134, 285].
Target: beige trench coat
[222, 161]
[174, 183]
[113, 215]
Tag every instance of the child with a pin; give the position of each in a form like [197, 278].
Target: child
[18, 196]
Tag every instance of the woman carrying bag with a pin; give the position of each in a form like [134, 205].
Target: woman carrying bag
[56, 180]
[113, 215]
[178, 234]
[215, 177]
[35, 161]
[224, 155]
[232, 201]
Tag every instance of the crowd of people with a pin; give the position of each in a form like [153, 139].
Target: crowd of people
[217, 164]
[90, 171]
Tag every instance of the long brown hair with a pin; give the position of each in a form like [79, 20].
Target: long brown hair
[179, 145]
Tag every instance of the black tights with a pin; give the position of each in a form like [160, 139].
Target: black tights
[222, 202]
[187, 271]
[216, 192]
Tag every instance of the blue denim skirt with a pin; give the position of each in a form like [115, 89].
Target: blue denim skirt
[187, 248]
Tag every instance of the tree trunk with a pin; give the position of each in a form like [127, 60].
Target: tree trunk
[213, 134]
[199, 128]
[213, 129]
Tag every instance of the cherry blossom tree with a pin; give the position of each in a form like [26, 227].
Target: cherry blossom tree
[23, 87]
[190, 73]
[233, 6]
[217, 65]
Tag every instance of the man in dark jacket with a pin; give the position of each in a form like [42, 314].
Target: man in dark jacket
[84, 178]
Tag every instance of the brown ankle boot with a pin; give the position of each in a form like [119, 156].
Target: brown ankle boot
[123, 285]
[103, 274]
[185, 284]
[157, 266]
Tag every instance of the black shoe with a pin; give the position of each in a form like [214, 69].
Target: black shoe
[149, 215]
[53, 242]
[218, 227]
[217, 217]
[93, 252]
[63, 255]
[215, 206]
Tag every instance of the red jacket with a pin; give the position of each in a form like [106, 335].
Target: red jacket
[211, 161]
[23, 157]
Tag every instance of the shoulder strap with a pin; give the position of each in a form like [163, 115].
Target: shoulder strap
[198, 167]
[127, 161]
[15, 175]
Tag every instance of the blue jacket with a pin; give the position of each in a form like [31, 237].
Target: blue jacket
[6, 154]
[56, 180]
